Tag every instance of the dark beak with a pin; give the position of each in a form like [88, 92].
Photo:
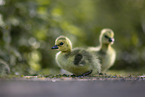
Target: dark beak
[111, 39]
[55, 47]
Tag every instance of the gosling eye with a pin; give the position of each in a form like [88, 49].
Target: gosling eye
[61, 43]
[106, 36]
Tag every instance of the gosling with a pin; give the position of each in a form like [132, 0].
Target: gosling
[78, 61]
[104, 51]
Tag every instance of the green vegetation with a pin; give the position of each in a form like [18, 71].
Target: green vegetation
[28, 29]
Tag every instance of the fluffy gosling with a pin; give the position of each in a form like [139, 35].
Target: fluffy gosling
[77, 61]
[106, 53]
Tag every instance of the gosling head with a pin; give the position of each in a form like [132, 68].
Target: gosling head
[63, 44]
[107, 36]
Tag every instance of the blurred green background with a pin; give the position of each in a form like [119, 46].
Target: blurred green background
[28, 29]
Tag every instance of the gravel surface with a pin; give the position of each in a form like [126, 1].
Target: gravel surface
[72, 87]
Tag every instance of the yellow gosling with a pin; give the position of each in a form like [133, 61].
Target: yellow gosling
[77, 61]
[105, 51]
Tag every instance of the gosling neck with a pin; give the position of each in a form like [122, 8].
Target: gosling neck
[105, 47]
[67, 51]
